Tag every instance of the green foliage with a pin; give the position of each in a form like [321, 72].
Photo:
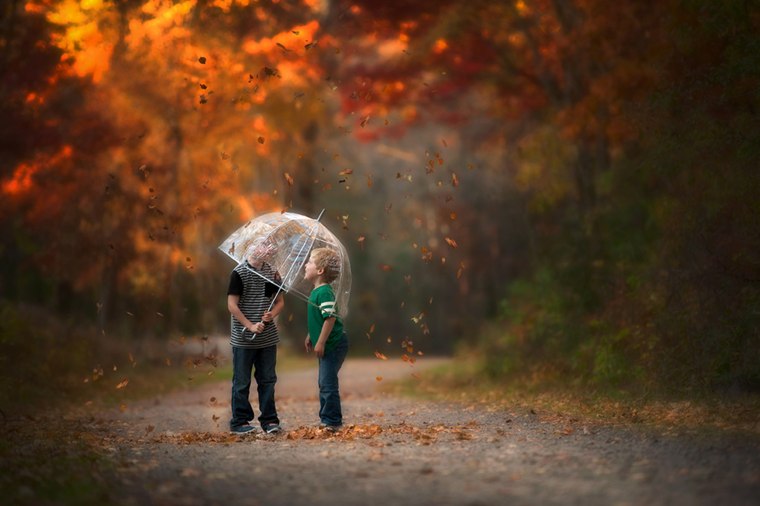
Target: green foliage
[663, 289]
[42, 357]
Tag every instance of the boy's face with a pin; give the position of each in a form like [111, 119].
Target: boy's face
[311, 273]
[261, 252]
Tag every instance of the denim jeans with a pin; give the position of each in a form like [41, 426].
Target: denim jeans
[329, 395]
[263, 362]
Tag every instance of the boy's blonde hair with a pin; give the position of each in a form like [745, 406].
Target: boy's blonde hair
[328, 262]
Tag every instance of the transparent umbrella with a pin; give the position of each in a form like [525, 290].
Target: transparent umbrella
[284, 241]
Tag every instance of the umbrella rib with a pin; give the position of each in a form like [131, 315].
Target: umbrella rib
[279, 286]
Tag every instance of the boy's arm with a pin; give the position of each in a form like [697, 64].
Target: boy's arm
[270, 315]
[327, 327]
[234, 309]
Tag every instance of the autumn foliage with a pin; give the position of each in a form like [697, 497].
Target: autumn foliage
[566, 189]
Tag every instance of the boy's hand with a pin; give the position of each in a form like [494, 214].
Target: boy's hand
[256, 327]
[307, 344]
[319, 349]
[267, 317]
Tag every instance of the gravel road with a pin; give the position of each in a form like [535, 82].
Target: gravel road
[175, 450]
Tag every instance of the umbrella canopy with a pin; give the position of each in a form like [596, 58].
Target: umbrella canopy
[284, 241]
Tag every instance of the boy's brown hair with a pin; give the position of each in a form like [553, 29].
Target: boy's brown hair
[328, 262]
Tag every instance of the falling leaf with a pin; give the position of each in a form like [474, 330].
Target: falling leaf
[379, 378]
[122, 384]
[283, 47]
[289, 179]
[202, 60]
[203, 86]
[360, 240]
[453, 216]
[213, 399]
[160, 314]
[372, 328]
[269, 72]
[364, 121]
[380, 356]
[454, 180]
[451, 242]
[310, 45]
[385, 267]
[445, 144]
[149, 429]
[346, 172]
[260, 139]
[369, 181]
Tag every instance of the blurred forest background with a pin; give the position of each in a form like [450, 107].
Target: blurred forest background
[564, 190]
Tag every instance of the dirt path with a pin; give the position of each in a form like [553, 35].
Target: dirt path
[402, 451]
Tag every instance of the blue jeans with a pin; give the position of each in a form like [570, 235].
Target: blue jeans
[329, 393]
[263, 362]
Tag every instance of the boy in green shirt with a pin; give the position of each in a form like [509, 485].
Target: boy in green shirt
[326, 336]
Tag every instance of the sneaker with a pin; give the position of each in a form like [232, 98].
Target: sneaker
[272, 428]
[242, 430]
[331, 428]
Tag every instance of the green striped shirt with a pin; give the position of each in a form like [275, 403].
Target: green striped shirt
[322, 306]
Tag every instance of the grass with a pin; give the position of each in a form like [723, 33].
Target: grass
[462, 381]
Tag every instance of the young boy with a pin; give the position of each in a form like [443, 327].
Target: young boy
[326, 336]
[254, 339]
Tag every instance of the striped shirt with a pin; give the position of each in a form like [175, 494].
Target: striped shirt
[321, 307]
[253, 302]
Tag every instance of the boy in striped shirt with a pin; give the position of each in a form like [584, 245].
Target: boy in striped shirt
[254, 339]
[326, 336]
